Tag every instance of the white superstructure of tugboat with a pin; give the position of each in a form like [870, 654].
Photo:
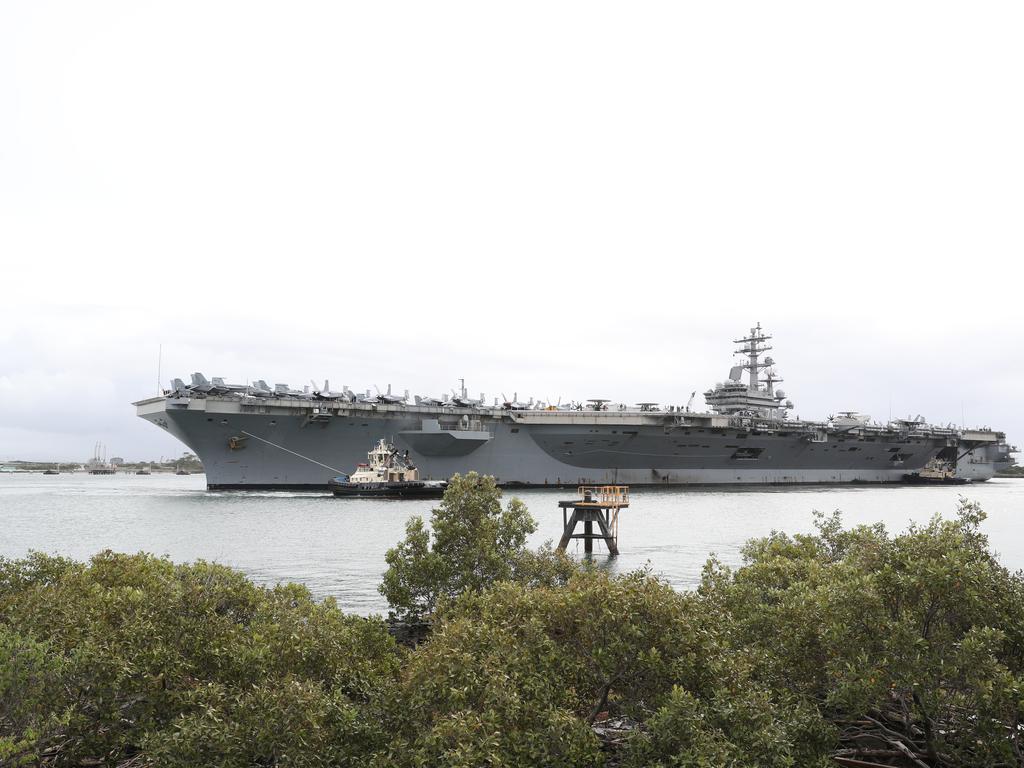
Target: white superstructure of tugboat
[936, 472]
[387, 474]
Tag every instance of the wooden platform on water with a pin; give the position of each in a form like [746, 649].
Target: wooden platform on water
[598, 505]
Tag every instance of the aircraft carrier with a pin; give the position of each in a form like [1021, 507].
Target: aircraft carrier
[253, 436]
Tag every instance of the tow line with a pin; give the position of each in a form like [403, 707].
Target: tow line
[293, 453]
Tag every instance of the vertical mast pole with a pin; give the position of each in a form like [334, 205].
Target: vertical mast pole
[753, 357]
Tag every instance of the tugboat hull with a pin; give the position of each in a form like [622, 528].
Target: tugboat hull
[915, 478]
[398, 490]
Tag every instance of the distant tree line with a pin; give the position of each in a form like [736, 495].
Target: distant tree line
[846, 647]
[188, 462]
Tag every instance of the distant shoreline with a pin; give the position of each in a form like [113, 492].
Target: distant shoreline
[39, 468]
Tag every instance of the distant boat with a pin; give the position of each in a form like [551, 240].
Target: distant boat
[55, 470]
[98, 464]
[143, 472]
[183, 472]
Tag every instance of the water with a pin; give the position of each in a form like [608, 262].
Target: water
[336, 546]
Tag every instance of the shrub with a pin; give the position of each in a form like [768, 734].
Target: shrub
[151, 653]
[30, 678]
[737, 723]
[915, 638]
[522, 672]
[475, 543]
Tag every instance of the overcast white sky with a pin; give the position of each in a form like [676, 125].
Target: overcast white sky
[560, 199]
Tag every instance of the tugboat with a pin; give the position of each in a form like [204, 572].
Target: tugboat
[387, 475]
[936, 472]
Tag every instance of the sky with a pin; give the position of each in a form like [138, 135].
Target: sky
[557, 199]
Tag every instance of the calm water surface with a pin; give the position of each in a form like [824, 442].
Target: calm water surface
[336, 546]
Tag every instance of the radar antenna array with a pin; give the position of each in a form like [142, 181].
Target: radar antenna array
[753, 347]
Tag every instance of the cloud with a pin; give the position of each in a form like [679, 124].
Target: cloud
[567, 201]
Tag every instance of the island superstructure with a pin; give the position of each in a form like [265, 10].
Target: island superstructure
[252, 436]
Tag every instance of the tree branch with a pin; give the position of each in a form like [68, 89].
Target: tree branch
[603, 701]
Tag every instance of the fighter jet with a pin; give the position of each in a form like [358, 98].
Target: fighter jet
[201, 385]
[259, 389]
[428, 401]
[223, 388]
[178, 388]
[514, 404]
[462, 401]
[326, 393]
[283, 390]
[390, 399]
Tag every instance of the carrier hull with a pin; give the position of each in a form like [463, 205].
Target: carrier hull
[245, 443]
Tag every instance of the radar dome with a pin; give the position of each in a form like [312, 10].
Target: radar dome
[769, 361]
[780, 392]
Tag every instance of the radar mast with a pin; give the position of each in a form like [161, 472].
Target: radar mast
[754, 347]
[733, 397]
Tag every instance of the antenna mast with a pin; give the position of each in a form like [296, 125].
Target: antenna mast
[753, 346]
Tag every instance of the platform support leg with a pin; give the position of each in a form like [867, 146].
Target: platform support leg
[570, 526]
[610, 541]
[588, 517]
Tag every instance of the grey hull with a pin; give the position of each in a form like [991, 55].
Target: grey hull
[301, 445]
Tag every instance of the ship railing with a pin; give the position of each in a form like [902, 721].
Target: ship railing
[472, 426]
[612, 496]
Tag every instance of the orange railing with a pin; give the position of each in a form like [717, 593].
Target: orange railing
[605, 495]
